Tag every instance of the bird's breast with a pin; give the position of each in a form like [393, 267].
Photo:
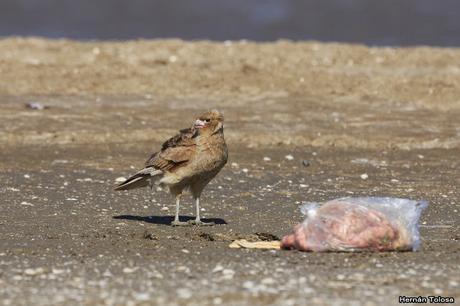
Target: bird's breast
[211, 154]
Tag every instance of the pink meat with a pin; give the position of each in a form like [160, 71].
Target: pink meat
[340, 226]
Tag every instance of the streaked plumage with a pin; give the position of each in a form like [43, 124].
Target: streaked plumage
[189, 160]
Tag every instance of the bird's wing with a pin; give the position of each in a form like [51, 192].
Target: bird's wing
[175, 151]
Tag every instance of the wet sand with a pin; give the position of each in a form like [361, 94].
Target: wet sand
[67, 238]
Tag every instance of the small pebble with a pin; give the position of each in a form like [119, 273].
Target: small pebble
[120, 179]
[266, 158]
[306, 163]
[248, 285]
[218, 268]
[268, 281]
[142, 296]
[57, 271]
[26, 203]
[364, 176]
[33, 272]
[289, 157]
[36, 106]
[184, 293]
[228, 272]
[129, 270]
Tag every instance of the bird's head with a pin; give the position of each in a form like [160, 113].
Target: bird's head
[209, 122]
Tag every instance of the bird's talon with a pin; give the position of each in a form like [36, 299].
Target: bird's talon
[179, 223]
[201, 223]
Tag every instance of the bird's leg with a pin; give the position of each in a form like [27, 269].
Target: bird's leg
[197, 202]
[197, 220]
[176, 221]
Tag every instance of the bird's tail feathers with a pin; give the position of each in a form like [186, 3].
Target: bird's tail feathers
[142, 178]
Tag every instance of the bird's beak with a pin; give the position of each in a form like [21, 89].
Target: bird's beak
[199, 124]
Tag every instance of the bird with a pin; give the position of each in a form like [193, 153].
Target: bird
[187, 161]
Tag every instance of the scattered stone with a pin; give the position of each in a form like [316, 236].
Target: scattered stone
[306, 163]
[120, 179]
[165, 208]
[248, 285]
[57, 271]
[364, 176]
[183, 269]
[245, 170]
[157, 275]
[36, 106]
[184, 293]
[289, 157]
[228, 272]
[437, 291]
[218, 268]
[268, 281]
[142, 296]
[107, 273]
[34, 272]
[266, 158]
[130, 270]
[26, 203]
[149, 236]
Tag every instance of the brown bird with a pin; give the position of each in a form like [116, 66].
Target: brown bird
[189, 160]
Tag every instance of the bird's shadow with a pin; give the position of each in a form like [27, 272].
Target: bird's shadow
[166, 220]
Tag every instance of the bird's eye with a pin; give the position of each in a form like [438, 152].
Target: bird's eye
[207, 120]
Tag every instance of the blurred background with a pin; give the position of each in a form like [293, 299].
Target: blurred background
[389, 22]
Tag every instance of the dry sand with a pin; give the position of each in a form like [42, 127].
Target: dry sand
[67, 238]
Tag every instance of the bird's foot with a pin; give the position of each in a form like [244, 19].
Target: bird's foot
[179, 223]
[200, 223]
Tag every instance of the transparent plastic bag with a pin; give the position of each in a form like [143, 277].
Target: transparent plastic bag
[358, 224]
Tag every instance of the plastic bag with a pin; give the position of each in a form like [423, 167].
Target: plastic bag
[358, 224]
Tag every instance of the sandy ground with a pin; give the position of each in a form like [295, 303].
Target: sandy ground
[67, 238]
